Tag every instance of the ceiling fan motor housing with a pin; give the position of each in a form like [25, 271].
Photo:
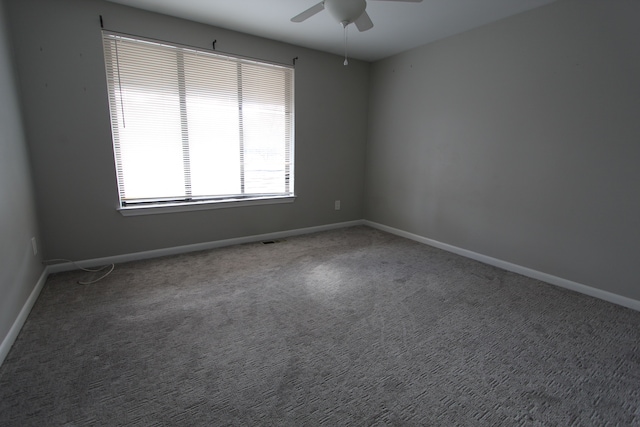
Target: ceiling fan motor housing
[345, 10]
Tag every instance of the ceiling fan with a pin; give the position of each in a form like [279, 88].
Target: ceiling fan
[345, 12]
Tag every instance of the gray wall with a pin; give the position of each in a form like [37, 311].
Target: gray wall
[19, 268]
[519, 140]
[60, 62]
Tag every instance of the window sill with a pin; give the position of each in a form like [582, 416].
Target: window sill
[200, 206]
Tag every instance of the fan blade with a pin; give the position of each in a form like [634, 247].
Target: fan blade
[309, 12]
[363, 22]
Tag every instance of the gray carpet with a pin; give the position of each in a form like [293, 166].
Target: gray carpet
[347, 327]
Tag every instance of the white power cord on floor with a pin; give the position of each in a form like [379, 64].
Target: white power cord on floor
[89, 270]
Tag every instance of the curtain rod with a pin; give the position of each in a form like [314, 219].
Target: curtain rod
[153, 40]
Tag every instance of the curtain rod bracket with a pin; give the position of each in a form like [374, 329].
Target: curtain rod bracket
[101, 22]
[294, 60]
[214, 44]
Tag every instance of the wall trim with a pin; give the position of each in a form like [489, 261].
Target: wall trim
[534, 274]
[11, 336]
[177, 250]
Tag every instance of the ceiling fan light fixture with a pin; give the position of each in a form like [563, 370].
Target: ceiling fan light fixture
[345, 12]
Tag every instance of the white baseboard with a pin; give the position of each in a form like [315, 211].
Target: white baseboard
[548, 278]
[10, 338]
[67, 266]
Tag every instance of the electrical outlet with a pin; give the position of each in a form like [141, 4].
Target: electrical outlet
[337, 205]
[34, 246]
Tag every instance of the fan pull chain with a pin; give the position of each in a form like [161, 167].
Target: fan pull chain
[346, 42]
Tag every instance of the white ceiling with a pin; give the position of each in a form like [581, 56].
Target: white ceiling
[397, 26]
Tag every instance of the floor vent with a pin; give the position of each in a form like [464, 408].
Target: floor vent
[270, 242]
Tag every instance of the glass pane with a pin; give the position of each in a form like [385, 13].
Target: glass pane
[149, 130]
[264, 129]
[264, 155]
[214, 137]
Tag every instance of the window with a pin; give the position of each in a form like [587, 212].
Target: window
[193, 127]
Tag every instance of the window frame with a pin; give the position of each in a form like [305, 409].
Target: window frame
[214, 201]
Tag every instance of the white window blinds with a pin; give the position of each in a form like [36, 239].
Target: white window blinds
[193, 126]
